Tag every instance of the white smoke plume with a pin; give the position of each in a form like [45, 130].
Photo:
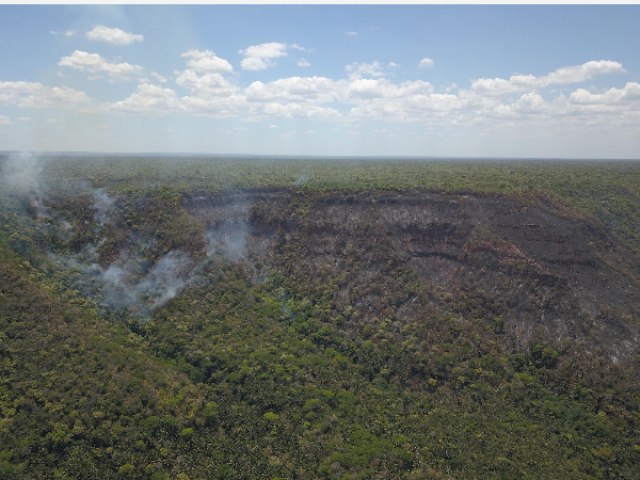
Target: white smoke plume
[21, 176]
[103, 206]
[21, 173]
[133, 284]
[228, 239]
[125, 285]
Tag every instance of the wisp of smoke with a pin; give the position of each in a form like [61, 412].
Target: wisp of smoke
[301, 180]
[228, 227]
[120, 285]
[228, 239]
[167, 277]
[103, 205]
[21, 176]
[21, 173]
[136, 284]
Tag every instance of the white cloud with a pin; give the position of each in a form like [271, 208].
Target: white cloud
[66, 33]
[301, 89]
[115, 36]
[206, 84]
[261, 57]
[303, 62]
[382, 88]
[493, 86]
[351, 34]
[293, 110]
[204, 77]
[37, 95]
[580, 73]
[530, 103]
[359, 70]
[215, 106]
[4, 120]
[206, 61]
[159, 77]
[561, 76]
[628, 94]
[442, 102]
[426, 62]
[149, 98]
[251, 63]
[95, 64]
[364, 91]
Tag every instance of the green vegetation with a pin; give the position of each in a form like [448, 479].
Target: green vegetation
[274, 319]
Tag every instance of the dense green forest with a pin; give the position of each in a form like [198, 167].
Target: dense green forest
[195, 318]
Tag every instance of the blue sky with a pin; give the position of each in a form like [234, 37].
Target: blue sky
[425, 80]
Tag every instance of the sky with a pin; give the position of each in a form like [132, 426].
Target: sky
[542, 81]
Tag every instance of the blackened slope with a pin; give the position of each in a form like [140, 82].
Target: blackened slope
[539, 270]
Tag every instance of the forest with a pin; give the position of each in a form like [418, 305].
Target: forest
[201, 317]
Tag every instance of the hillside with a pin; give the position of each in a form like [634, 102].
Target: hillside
[216, 318]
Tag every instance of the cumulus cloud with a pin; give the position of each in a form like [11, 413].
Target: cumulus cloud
[294, 97]
[530, 103]
[366, 92]
[206, 83]
[205, 98]
[426, 62]
[628, 94]
[206, 61]
[580, 73]
[204, 78]
[358, 70]
[98, 66]
[303, 62]
[114, 36]
[262, 56]
[149, 98]
[442, 102]
[215, 105]
[561, 76]
[37, 95]
[493, 86]
[316, 89]
[407, 101]
[382, 88]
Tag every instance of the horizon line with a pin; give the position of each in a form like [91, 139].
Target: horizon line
[307, 156]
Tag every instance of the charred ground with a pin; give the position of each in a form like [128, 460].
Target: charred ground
[250, 319]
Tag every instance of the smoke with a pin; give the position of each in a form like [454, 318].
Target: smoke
[133, 279]
[228, 239]
[21, 176]
[136, 285]
[103, 206]
[129, 284]
[169, 275]
[302, 180]
[21, 173]
[227, 225]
